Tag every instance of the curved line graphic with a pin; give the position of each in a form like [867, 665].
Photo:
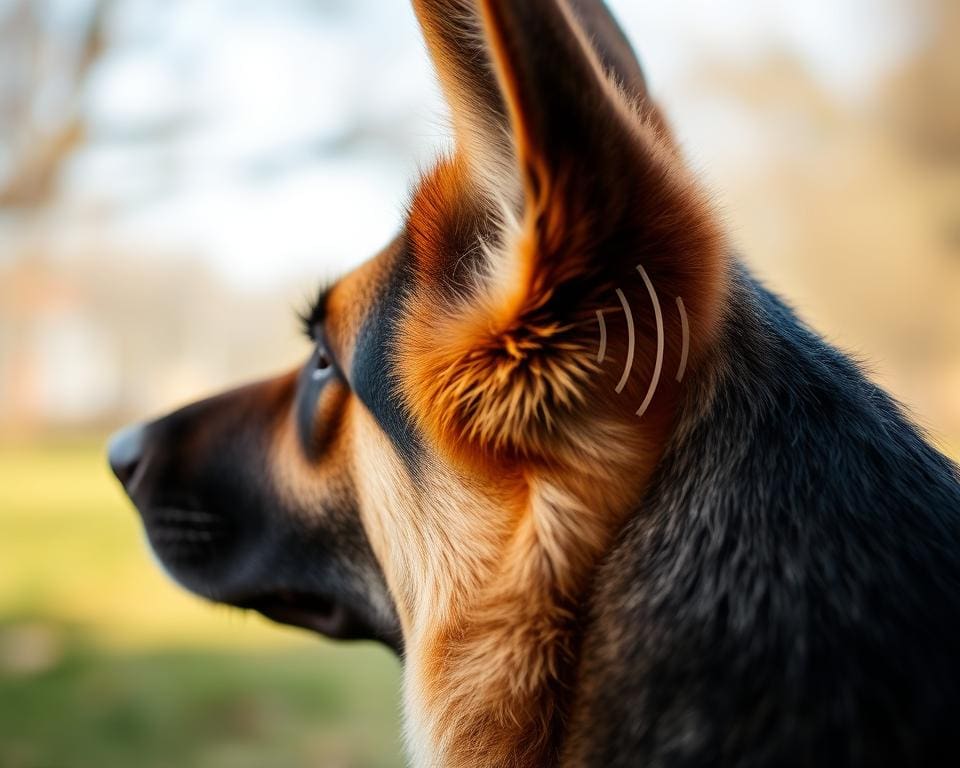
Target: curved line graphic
[603, 337]
[658, 366]
[685, 328]
[630, 341]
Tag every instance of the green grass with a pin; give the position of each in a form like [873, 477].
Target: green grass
[89, 706]
[104, 663]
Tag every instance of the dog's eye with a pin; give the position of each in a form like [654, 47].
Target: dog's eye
[321, 365]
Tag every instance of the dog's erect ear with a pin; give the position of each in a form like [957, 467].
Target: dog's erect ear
[461, 56]
[511, 365]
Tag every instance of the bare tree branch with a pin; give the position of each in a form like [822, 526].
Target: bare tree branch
[43, 151]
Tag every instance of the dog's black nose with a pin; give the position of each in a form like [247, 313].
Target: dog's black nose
[125, 451]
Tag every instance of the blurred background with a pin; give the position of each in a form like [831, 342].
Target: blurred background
[177, 175]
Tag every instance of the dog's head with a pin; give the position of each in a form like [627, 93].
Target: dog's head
[466, 424]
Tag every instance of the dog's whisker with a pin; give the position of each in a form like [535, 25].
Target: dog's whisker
[175, 513]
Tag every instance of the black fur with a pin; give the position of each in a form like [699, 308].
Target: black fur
[373, 377]
[788, 593]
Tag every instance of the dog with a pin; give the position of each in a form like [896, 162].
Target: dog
[608, 498]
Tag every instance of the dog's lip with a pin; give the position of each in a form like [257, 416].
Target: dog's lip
[315, 612]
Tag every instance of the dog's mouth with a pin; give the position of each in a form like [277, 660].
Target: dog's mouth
[209, 555]
[317, 613]
[186, 538]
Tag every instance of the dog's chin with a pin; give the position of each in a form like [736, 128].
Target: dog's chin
[319, 614]
[316, 613]
[189, 568]
[202, 553]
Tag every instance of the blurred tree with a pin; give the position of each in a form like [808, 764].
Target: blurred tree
[923, 99]
[851, 207]
[38, 137]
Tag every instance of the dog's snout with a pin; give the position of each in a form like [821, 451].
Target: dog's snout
[125, 451]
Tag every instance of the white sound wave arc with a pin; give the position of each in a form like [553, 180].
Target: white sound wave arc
[685, 329]
[630, 342]
[603, 337]
[658, 365]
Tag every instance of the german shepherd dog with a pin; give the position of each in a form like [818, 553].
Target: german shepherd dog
[609, 499]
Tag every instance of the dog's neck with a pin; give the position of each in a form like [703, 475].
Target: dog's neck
[491, 580]
[488, 683]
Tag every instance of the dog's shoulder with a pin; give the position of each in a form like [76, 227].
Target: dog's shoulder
[789, 591]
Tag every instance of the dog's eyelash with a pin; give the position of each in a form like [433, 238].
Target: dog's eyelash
[314, 312]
